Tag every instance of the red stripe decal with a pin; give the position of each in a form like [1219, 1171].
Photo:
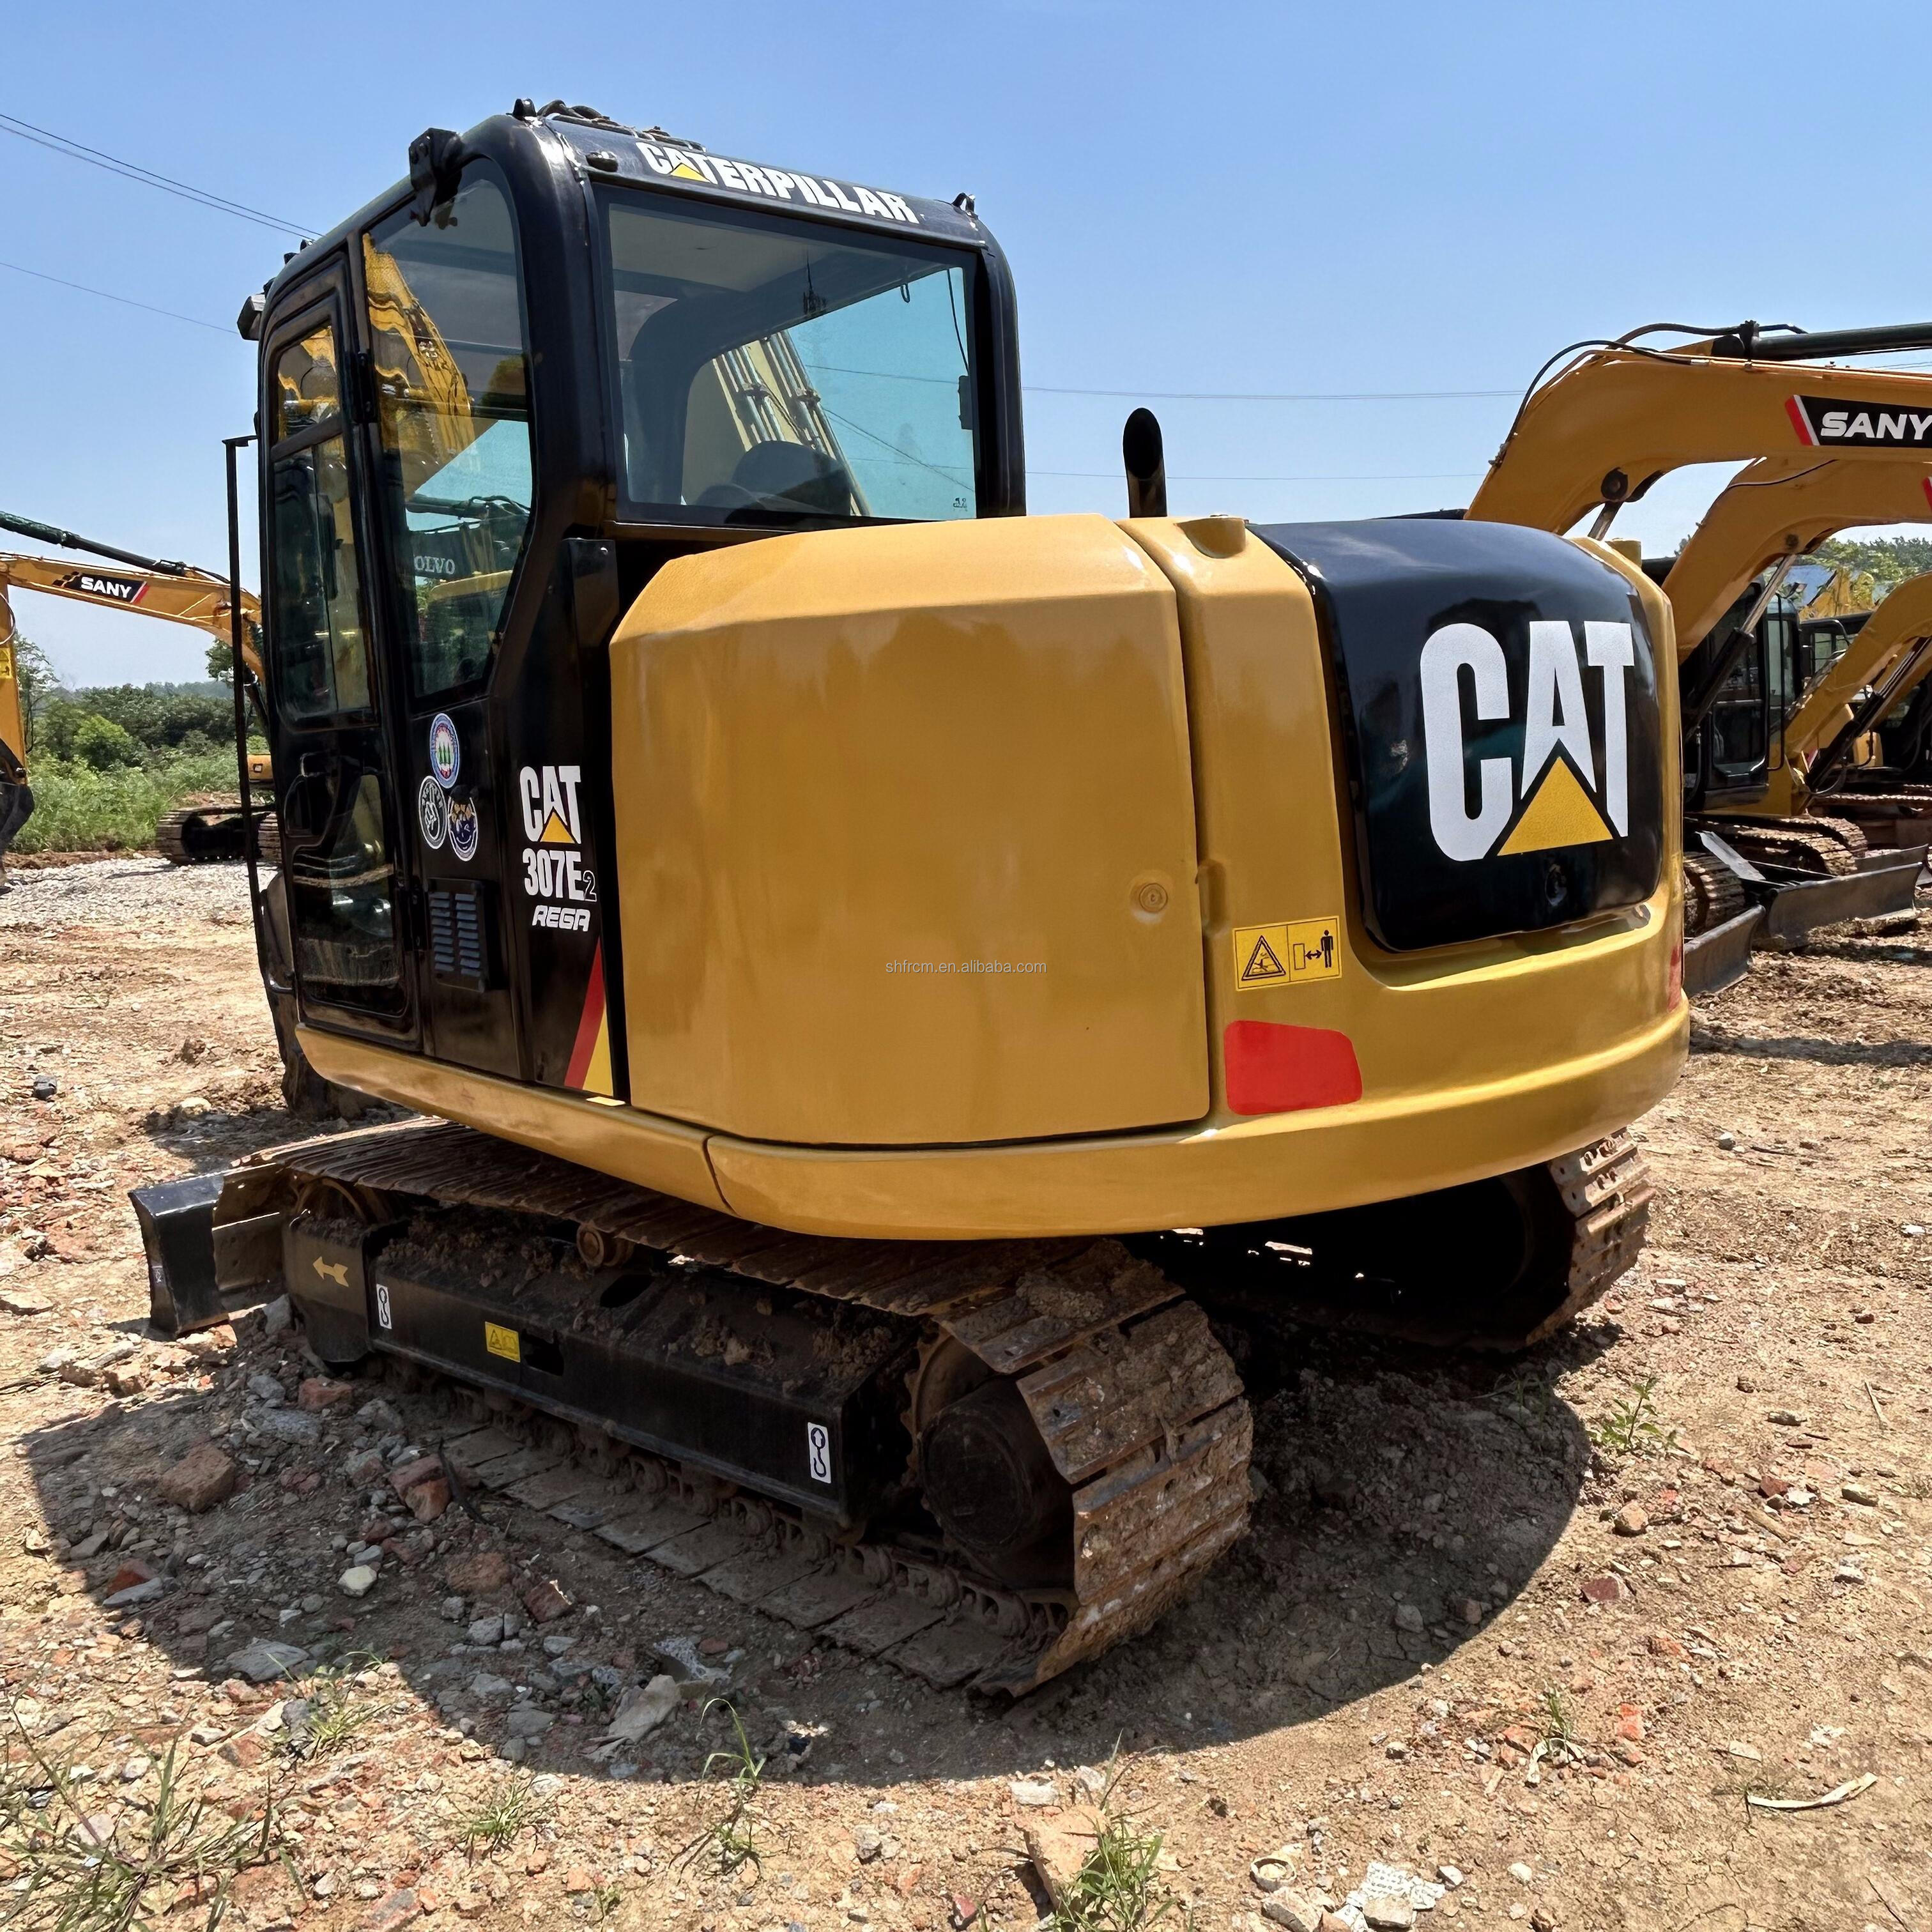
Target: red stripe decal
[587, 1027]
[1792, 410]
[1925, 483]
[1283, 1070]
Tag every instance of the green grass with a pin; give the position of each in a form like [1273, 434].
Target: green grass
[75, 1876]
[1118, 1887]
[78, 809]
[511, 1807]
[727, 1840]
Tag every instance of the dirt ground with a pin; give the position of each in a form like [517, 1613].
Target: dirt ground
[1545, 1636]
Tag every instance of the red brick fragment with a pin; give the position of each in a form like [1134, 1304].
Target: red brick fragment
[318, 1393]
[203, 1478]
[545, 1601]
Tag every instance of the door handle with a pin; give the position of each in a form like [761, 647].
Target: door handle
[311, 765]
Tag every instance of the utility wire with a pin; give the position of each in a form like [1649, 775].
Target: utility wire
[77, 151]
[126, 301]
[1309, 396]
[1392, 476]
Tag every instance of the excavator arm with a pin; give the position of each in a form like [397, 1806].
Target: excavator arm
[191, 597]
[1892, 655]
[1784, 506]
[1598, 434]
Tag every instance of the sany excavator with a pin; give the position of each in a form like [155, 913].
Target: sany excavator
[1826, 447]
[880, 966]
[150, 587]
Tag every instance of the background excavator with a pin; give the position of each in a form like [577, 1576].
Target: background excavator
[880, 966]
[209, 829]
[1827, 448]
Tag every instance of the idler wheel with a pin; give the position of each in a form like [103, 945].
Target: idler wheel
[993, 1487]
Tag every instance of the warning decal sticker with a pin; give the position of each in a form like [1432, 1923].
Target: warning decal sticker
[504, 1342]
[1287, 954]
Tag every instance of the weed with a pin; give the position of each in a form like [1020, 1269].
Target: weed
[78, 1871]
[1525, 1395]
[729, 1841]
[511, 1806]
[336, 1714]
[1631, 1428]
[1918, 1486]
[603, 1901]
[1118, 1887]
[79, 809]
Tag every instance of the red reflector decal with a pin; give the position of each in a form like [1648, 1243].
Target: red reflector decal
[1282, 1070]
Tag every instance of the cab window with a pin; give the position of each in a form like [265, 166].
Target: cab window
[452, 395]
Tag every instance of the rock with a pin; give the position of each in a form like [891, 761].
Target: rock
[554, 1645]
[1034, 1792]
[1785, 1418]
[1294, 1910]
[1609, 1587]
[527, 1721]
[135, 1593]
[215, 1344]
[202, 1478]
[643, 1709]
[1470, 1611]
[1630, 1520]
[393, 1913]
[288, 1425]
[1059, 1848]
[1451, 1876]
[277, 1316]
[127, 1379]
[1386, 1913]
[1727, 1140]
[479, 1573]
[867, 1843]
[1523, 1874]
[318, 1393]
[1859, 1493]
[1661, 1646]
[1407, 1617]
[18, 1301]
[267, 1389]
[1848, 1573]
[56, 1360]
[363, 1467]
[405, 1476]
[357, 1582]
[427, 1500]
[376, 1415]
[484, 1684]
[45, 1086]
[264, 1661]
[545, 1602]
[487, 1631]
[578, 1880]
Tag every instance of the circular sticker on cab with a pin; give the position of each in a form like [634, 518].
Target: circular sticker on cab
[445, 754]
[433, 810]
[463, 825]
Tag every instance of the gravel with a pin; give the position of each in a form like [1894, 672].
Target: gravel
[139, 892]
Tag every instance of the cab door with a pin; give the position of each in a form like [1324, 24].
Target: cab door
[347, 907]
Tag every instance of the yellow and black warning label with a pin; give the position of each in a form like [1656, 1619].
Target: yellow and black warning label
[1287, 954]
[504, 1342]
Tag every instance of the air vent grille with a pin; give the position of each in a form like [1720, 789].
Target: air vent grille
[459, 944]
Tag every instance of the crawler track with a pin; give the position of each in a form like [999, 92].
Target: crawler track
[1820, 847]
[1139, 1407]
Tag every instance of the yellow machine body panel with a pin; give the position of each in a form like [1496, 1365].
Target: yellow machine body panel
[905, 837]
[834, 753]
[13, 710]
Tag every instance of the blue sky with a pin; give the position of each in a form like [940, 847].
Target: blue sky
[1360, 197]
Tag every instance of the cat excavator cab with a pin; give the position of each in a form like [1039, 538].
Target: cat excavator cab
[211, 828]
[879, 967]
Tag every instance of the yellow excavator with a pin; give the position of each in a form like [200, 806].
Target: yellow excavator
[882, 970]
[150, 587]
[1827, 447]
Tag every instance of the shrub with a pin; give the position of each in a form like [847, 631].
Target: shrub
[104, 745]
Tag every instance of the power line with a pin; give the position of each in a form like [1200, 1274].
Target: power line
[126, 301]
[1392, 476]
[77, 151]
[1272, 396]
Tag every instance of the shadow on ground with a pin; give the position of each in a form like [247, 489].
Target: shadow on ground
[1406, 1498]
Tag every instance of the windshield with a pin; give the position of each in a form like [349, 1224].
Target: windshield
[445, 317]
[773, 370]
